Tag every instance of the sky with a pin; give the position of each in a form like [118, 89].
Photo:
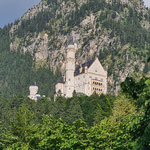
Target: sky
[147, 3]
[11, 10]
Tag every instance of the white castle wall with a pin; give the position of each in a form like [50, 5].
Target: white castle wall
[70, 69]
[82, 83]
[33, 92]
[59, 87]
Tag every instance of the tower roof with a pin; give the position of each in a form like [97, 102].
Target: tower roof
[60, 80]
[86, 64]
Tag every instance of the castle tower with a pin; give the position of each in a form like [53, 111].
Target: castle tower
[34, 93]
[70, 69]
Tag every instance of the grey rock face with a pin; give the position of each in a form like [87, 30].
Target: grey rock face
[92, 40]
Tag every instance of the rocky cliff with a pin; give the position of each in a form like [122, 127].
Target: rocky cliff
[116, 31]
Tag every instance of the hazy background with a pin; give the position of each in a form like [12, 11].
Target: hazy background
[11, 10]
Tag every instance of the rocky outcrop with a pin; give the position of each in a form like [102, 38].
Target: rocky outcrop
[31, 13]
[92, 39]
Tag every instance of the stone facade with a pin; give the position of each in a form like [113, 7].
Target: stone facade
[87, 78]
[34, 93]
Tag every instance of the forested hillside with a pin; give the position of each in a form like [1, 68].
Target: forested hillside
[18, 71]
[117, 31]
[88, 123]
[33, 48]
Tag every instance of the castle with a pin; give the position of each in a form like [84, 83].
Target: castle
[34, 93]
[87, 78]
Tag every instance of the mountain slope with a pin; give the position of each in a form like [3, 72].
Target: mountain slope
[117, 31]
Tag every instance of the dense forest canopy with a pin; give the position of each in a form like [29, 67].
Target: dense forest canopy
[81, 122]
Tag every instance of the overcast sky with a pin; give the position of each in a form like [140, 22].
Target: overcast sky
[11, 10]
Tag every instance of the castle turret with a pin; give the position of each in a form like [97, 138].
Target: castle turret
[33, 89]
[33, 92]
[70, 69]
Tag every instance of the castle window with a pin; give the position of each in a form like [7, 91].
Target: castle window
[69, 79]
[95, 70]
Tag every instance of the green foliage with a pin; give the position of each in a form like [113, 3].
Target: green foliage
[83, 107]
[22, 127]
[140, 127]
[112, 135]
[148, 59]
[20, 131]
[18, 72]
[54, 134]
[113, 131]
[50, 133]
[91, 107]
[69, 110]
[122, 108]
[4, 38]
[134, 89]
[58, 125]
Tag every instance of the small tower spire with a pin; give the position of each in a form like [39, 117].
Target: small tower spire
[75, 43]
[70, 69]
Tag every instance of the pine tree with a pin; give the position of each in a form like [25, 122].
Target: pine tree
[23, 126]
[74, 110]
